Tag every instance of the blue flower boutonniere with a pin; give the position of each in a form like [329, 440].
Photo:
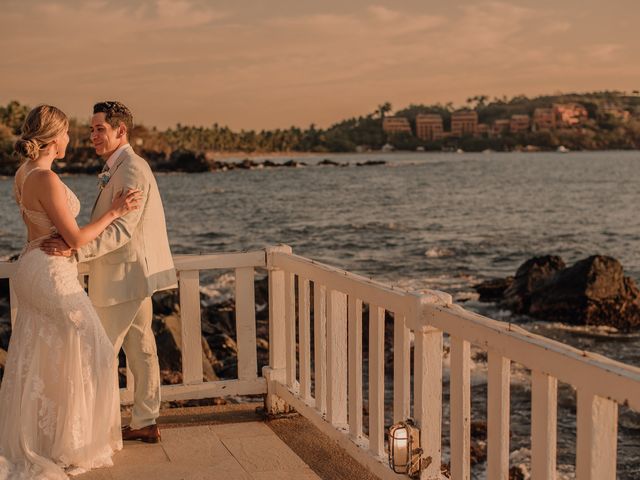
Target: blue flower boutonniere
[103, 179]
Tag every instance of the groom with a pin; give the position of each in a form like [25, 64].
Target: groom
[128, 262]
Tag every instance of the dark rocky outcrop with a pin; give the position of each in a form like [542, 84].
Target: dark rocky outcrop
[371, 163]
[493, 290]
[530, 276]
[593, 291]
[3, 361]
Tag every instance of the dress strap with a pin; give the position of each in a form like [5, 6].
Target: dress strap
[24, 180]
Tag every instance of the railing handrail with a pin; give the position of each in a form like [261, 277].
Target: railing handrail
[601, 375]
[251, 258]
[394, 299]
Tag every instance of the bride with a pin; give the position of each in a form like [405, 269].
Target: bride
[59, 403]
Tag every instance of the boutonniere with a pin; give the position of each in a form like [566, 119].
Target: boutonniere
[103, 179]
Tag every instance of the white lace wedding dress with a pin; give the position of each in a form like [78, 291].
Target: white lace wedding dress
[59, 403]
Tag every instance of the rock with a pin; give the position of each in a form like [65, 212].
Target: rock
[294, 163]
[188, 161]
[371, 163]
[529, 276]
[493, 290]
[5, 332]
[246, 164]
[478, 450]
[3, 361]
[328, 162]
[594, 291]
[169, 341]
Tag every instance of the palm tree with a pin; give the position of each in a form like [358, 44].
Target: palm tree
[384, 109]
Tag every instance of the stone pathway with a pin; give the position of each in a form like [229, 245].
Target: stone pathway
[231, 451]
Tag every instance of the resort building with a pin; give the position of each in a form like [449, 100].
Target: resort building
[544, 119]
[500, 127]
[519, 123]
[429, 127]
[570, 114]
[615, 111]
[483, 129]
[396, 125]
[464, 122]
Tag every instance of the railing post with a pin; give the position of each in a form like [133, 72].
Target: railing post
[498, 416]
[305, 338]
[460, 408]
[290, 329]
[544, 414]
[337, 358]
[276, 371]
[428, 383]
[376, 379]
[597, 429]
[355, 366]
[401, 368]
[320, 346]
[190, 322]
[246, 323]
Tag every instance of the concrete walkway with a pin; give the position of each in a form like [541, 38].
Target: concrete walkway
[248, 450]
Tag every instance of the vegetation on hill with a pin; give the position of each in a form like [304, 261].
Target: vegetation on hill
[199, 144]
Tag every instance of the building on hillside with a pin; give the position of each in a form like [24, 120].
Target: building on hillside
[544, 119]
[483, 129]
[464, 122]
[570, 114]
[396, 125]
[500, 127]
[519, 123]
[615, 111]
[429, 126]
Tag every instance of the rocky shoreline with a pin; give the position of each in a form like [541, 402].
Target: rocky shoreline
[183, 161]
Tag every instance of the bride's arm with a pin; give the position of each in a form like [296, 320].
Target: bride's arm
[53, 198]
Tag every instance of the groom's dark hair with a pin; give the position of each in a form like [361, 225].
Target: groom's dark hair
[115, 113]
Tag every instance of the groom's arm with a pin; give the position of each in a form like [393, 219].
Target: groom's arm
[119, 232]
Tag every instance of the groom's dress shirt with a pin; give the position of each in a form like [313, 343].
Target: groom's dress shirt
[114, 157]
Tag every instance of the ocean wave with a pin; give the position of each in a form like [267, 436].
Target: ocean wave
[439, 252]
[221, 290]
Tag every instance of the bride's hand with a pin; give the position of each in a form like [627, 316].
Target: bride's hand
[127, 201]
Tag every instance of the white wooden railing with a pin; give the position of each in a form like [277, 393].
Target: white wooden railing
[328, 387]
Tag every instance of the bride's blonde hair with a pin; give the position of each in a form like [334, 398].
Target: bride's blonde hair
[42, 125]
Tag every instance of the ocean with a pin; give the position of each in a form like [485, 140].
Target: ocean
[421, 221]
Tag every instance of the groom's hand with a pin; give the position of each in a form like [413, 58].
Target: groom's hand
[56, 246]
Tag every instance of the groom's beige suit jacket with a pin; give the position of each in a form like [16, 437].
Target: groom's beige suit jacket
[131, 259]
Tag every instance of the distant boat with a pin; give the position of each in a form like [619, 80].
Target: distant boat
[459, 150]
[562, 149]
[420, 149]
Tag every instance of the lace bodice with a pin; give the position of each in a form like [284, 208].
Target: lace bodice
[40, 218]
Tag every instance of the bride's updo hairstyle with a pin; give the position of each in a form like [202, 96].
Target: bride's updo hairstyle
[43, 124]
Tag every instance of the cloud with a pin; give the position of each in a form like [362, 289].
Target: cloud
[253, 65]
[604, 52]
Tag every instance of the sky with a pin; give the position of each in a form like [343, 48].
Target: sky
[256, 64]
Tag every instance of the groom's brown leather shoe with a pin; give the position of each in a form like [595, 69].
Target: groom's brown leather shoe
[148, 434]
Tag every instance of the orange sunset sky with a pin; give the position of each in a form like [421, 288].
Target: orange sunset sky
[269, 64]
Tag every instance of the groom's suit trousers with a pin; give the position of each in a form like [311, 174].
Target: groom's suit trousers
[128, 326]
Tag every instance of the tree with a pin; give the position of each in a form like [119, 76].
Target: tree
[383, 109]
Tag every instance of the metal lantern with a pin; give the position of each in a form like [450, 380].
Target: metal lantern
[404, 448]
